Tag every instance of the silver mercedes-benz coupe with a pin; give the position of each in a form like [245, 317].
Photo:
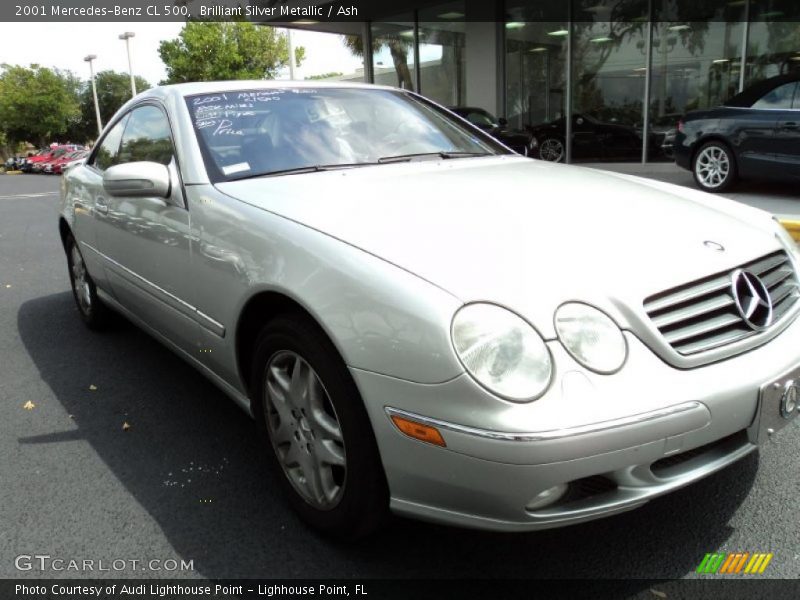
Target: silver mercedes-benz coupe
[420, 320]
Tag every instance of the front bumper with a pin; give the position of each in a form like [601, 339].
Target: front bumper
[617, 440]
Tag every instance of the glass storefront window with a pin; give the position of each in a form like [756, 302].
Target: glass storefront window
[696, 59]
[393, 60]
[608, 77]
[535, 60]
[442, 53]
[774, 41]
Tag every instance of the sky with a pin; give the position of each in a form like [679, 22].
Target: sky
[64, 45]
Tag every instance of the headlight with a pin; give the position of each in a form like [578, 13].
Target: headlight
[502, 352]
[591, 337]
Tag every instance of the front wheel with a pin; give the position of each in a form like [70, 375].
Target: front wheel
[714, 167]
[314, 424]
[92, 310]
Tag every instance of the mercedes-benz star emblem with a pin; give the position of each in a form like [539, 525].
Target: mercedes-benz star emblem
[752, 299]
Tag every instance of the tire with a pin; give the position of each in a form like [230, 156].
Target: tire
[94, 313]
[714, 167]
[324, 431]
[552, 149]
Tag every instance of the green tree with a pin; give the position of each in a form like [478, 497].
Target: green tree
[324, 76]
[113, 90]
[37, 104]
[222, 51]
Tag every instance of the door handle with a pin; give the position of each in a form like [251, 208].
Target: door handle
[789, 125]
[100, 205]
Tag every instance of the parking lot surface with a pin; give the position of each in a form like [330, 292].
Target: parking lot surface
[113, 448]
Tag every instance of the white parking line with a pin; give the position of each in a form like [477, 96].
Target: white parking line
[28, 195]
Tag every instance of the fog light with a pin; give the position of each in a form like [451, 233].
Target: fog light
[547, 497]
[789, 399]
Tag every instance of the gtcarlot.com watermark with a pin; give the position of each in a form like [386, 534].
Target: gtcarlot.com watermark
[55, 564]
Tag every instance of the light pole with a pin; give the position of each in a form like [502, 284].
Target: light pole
[292, 60]
[127, 37]
[89, 59]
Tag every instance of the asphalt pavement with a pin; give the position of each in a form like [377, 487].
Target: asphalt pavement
[186, 478]
[778, 198]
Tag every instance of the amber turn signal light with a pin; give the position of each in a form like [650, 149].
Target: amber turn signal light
[418, 431]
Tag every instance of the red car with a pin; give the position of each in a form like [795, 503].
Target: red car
[36, 163]
[57, 166]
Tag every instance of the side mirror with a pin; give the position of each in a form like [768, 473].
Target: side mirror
[139, 179]
[502, 121]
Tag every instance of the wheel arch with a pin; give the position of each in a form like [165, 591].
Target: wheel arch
[713, 137]
[256, 312]
[64, 231]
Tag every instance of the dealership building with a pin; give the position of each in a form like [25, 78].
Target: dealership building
[618, 67]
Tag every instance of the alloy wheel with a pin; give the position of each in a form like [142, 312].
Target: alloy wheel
[304, 430]
[80, 281]
[552, 150]
[712, 166]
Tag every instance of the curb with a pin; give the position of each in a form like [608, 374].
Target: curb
[13, 172]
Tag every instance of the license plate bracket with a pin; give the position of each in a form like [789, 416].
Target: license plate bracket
[773, 400]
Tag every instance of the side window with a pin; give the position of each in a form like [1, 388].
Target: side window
[108, 152]
[479, 119]
[780, 97]
[147, 137]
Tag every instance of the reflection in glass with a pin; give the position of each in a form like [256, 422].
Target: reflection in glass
[609, 72]
[393, 52]
[147, 137]
[774, 40]
[536, 35]
[696, 59]
[442, 53]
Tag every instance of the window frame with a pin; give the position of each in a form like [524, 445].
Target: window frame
[184, 203]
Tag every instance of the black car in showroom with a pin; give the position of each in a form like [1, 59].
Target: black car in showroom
[519, 141]
[592, 139]
[754, 135]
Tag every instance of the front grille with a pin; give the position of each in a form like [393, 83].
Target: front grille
[702, 315]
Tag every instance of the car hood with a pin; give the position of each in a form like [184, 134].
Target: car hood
[526, 234]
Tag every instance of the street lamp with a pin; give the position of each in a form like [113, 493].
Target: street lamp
[292, 60]
[127, 37]
[89, 59]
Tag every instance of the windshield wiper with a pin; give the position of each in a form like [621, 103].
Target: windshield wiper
[440, 154]
[301, 170]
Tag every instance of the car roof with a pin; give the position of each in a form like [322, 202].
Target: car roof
[210, 87]
[747, 98]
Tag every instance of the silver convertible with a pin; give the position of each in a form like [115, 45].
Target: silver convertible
[421, 321]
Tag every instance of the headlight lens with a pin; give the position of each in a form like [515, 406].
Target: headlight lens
[502, 352]
[591, 337]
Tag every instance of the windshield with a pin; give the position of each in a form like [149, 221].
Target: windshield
[248, 133]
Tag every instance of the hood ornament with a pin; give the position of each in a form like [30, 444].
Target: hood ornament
[752, 299]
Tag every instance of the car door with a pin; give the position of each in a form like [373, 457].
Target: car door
[85, 188]
[586, 140]
[753, 132]
[787, 132]
[145, 241]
